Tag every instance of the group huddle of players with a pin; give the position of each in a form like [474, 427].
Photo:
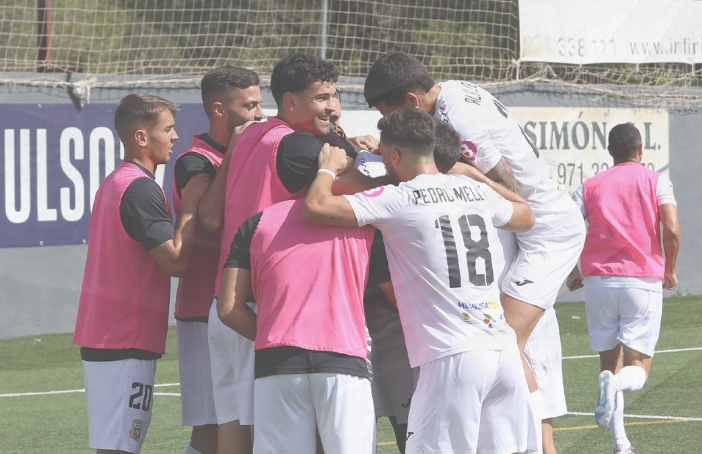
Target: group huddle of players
[444, 242]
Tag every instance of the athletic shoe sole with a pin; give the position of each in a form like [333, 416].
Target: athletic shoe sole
[605, 403]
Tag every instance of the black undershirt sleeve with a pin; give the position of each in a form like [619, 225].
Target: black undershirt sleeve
[144, 215]
[240, 251]
[379, 271]
[296, 161]
[333, 139]
[188, 166]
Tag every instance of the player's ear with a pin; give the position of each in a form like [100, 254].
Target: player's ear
[411, 99]
[218, 109]
[394, 156]
[289, 100]
[141, 137]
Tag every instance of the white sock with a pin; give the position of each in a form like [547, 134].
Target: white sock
[616, 424]
[191, 450]
[631, 378]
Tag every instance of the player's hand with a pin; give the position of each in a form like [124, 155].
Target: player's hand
[575, 280]
[368, 143]
[193, 191]
[237, 132]
[670, 280]
[333, 158]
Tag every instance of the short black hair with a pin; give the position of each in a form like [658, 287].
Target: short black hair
[394, 75]
[447, 150]
[225, 78]
[296, 72]
[139, 110]
[411, 129]
[623, 141]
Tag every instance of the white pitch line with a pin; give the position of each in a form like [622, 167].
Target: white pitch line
[673, 418]
[677, 350]
[160, 385]
[72, 391]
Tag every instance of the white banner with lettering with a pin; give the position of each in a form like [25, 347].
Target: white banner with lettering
[611, 31]
[573, 140]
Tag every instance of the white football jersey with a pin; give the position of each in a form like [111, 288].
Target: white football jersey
[445, 261]
[488, 132]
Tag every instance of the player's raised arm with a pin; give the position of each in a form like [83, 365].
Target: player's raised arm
[503, 175]
[322, 207]
[210, 211]
[173, 255]
[522, 216]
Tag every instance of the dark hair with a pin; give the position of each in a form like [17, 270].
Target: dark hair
[623, 141]
[296, 72]
[139, 110]
[225, 78]
[447, 150]
[394, 75]
[411, 129]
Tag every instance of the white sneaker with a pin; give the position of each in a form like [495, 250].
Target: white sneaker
[620, 450]
[605, 404]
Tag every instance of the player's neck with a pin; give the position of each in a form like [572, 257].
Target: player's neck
[145, 163]
[219, 134]
[418, 168]
[429, 100]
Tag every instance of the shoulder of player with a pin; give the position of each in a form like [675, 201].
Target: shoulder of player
[300, 142]
[190, 156]
[143, 187]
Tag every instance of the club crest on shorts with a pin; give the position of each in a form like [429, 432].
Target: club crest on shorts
[135, 431]
[375, 192]
[469, 150]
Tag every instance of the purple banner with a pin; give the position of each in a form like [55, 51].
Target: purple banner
[52, 160]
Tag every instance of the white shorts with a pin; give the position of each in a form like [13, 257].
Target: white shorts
[196, 396]
[543, 353]
[289, 408]
[546, 255]
[629, 314]
[120, 397]
[472, 402]
[393, 379]
[232, 366]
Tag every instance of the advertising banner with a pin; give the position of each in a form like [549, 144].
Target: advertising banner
[573, 141]
[53, 157]
[611, 31]
[52, 161]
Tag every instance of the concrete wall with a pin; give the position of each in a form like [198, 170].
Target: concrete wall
[40, 286]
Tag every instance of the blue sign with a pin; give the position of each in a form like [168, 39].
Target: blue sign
[53, 158]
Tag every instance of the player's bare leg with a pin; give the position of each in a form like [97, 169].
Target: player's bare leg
[320, 449]
[204, 438]
[547, 436]
[233, 438]
[629, 378]
[522, 317]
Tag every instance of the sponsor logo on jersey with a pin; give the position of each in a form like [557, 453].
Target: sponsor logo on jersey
[524, 282]
[478, 306]
[135, 431]
[375, 192]
[466, 317]
[469, 150]
[488, 320]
